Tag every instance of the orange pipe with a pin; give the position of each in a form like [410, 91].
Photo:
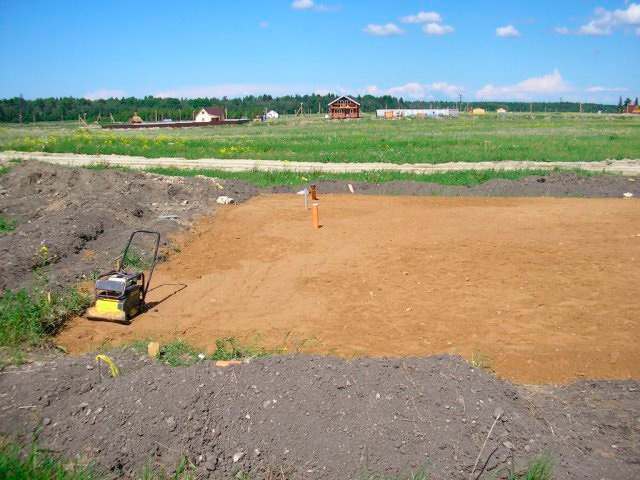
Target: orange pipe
[313, 193]
[315, 217]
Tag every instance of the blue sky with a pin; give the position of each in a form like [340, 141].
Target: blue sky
[578, 50]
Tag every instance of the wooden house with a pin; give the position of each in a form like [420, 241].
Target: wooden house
[210, 114]
[633, 109]
[344, 107]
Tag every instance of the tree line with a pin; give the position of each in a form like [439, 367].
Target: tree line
[20, 110]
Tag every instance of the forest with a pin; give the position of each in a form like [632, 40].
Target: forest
[20, 110]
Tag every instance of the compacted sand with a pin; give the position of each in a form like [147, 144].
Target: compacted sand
[538, 289]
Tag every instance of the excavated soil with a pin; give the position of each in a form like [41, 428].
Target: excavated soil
[308, 417]
[84, 217]
[540, 289]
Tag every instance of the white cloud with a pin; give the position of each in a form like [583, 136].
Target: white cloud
[417, 91]
[103, 93]
[605, 89]
[311, 5]
[437, 29]
[594, 29]
[387, 30]
[605, 21]
[263, 24]
[630, 16]
[422, 17]
[302, 4]
[507, 32]
[232, 90]
[532, 88]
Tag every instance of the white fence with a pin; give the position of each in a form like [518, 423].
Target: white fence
[417, 112]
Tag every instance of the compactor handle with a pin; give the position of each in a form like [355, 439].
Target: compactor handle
[155, 256]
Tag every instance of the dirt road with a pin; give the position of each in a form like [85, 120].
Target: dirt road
[626, 166]
[541, 290]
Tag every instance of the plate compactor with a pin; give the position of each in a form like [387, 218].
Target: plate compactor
[120, 295]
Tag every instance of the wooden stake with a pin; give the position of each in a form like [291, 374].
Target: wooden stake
[315, 217]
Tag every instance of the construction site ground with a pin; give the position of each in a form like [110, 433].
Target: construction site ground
[519, 308]
[538, 287]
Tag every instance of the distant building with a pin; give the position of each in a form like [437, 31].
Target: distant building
[478, 111]
[272, 114]
[344, 107]
[210, 114]
[633, 109]
[501, 112]
[417, 112]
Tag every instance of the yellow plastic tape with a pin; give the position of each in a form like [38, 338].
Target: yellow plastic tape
[114, 370]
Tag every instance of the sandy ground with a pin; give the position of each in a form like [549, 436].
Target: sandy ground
[626, 166]
[540, 289]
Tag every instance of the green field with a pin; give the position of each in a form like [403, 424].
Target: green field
[541, 137]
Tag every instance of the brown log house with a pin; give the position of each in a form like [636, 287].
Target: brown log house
[344, 107]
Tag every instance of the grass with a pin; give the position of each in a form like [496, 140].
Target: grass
[6, 224]
[538, 469]
[288, 178]
[421, 474]
[229, 349]
[538, 137]
[483, 362]
[136, 259]
[179, 353]
[31, 316]
[4, 170]
[38, 464]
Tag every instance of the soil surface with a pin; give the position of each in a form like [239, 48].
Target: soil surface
[322, 418]
[84, 217]
[539, 289]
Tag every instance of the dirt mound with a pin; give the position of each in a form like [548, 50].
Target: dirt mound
[322, 417]
[84, 217]
[561, 184]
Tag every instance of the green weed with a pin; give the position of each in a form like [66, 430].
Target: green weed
[6, 224]
[229, 349]
[38, 464]
[32, 316]
[482, 361]
[421, 473]
[538, 469]
[4, 170]
[545, 137]
[136, 259]
[288, 178]
[184, 471]
[180, 354]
